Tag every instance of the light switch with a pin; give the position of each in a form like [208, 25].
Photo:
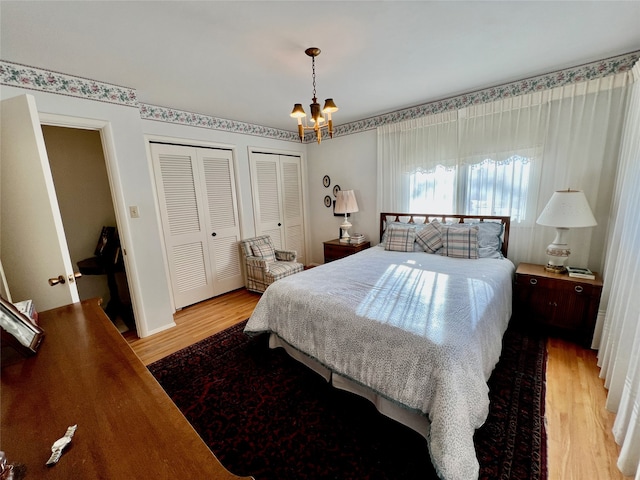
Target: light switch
[134, 212]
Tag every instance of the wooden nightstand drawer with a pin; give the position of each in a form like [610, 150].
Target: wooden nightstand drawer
[557, 303]
[575, 286]
[335, 250]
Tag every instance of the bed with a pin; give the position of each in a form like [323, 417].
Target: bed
[408, 324]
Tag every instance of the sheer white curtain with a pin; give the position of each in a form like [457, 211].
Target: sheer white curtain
[618, 334]
[419, 145]
[509, 156]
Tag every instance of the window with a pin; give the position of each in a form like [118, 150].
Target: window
[433, 191]
[486, 187]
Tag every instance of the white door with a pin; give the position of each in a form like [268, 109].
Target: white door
[33, 246]
[276, 182]
[196, 191]
[183, 223]
[221, 215]
[267, 201]
[291, 176]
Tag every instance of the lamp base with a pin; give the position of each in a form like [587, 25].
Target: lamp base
[558, 252]
[346, 225]
[555, 268]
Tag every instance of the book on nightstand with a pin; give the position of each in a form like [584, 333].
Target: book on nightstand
[579, 272]
[357, 238]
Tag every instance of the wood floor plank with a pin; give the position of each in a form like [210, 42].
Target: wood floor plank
[580, 442]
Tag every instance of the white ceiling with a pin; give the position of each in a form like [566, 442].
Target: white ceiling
[244, 60]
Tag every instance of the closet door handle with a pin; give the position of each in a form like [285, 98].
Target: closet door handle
[279, 224]
[213, 234]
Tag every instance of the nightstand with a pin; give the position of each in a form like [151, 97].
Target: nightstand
[335, 250]
[557, 303]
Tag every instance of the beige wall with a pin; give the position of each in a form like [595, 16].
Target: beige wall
[82, 188]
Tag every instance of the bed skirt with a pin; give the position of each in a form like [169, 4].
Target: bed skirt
[412, 419]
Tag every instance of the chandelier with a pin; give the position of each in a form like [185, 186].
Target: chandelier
[317, 119]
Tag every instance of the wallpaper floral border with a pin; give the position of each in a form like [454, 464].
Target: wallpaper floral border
[582, 73]
[170, 115]
[22, 76]
[16, 75]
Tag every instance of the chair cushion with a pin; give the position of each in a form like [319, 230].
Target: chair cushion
[265, 251]
[280, 270]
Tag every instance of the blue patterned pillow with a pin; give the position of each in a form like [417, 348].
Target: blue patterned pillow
[460, 242]
[400, 238]
[430, 237]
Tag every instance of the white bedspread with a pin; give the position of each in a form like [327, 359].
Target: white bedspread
[420, 329]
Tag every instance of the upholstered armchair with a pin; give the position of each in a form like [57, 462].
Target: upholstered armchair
[265, 264]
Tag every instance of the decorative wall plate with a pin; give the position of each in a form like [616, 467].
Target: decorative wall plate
[327, 201]
[326, 181]
[336, 189]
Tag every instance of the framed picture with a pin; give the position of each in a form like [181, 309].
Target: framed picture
[327, 201]
[18, 330]
[326, 181]
[336, 189]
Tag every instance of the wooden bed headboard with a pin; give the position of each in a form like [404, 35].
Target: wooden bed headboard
[422, 218]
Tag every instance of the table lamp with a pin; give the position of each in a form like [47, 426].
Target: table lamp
[566, 209]
[346, 203]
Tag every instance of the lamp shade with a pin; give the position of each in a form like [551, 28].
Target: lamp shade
[567, 209]
[346, 202]
[329, 106]
[298, 111]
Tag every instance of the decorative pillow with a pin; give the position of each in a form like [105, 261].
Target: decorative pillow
[417, 226]
[430, 237]
[389, 226]
[459, 242]
[400, 238]
[265, 251]
[489, 238]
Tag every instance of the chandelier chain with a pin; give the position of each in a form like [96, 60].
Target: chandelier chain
[313, 69]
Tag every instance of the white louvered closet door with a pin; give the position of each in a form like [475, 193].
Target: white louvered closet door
[292, 204]
[222, 221]
[194, 187]
[265, 181]
[277, 200]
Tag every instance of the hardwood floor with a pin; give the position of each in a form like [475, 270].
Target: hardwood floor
[580, 442]
[195, 323]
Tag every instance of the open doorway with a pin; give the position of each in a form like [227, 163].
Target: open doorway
[79, 171]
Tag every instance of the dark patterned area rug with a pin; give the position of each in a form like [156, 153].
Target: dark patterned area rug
[263, 414]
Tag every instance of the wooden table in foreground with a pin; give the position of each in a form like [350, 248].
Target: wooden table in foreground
[86, 374]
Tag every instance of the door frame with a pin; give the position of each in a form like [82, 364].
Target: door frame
[109, 152]
[188, 142]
